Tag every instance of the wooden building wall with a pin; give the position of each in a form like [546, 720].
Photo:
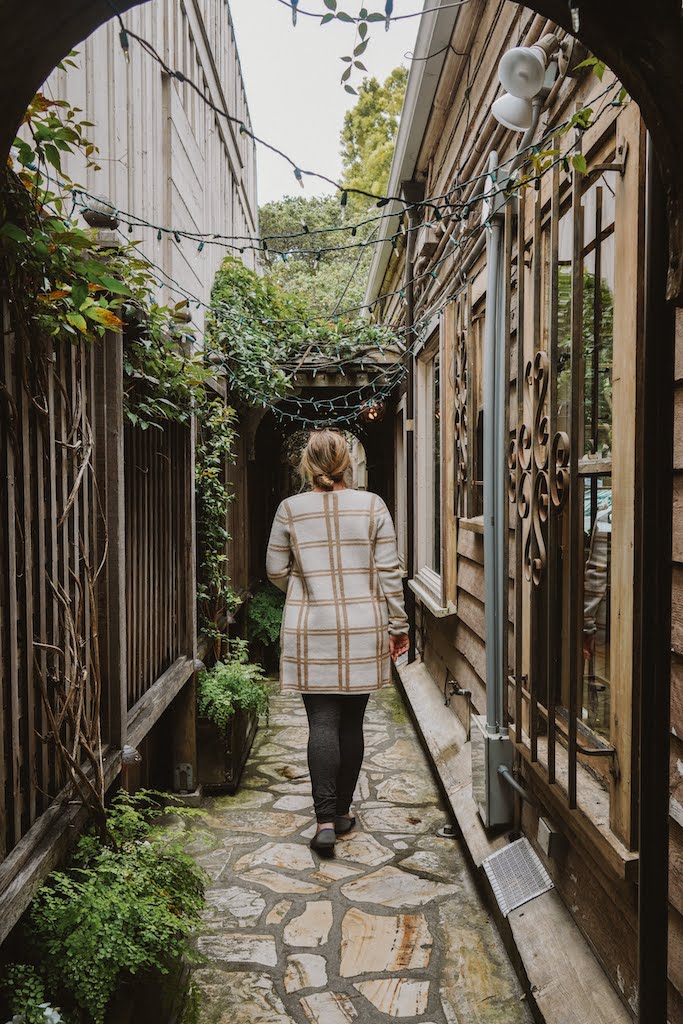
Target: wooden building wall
[596, 884]
[165, 157]
[676, 799]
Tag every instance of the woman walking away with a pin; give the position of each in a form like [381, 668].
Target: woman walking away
[333, 550]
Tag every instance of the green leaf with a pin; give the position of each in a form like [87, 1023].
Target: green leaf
[347, 60]
[14, 232]
[343, 16]
[77, 320]
[579, 163]
[361, 48]
[347, 74]
[349, 88]
[376, 17]
[79, 293]
[103, 316]
[113, 285]
[359, 64]
[362, 30]
[330, 4]
[326, 18]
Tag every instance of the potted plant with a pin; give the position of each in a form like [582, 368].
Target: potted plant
[230, 698]
[264, 621]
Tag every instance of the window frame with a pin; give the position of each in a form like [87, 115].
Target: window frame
[400, 483]
[436, 590]
[617, 837]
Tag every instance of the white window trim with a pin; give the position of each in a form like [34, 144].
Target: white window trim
[400, 488]
[427, 585]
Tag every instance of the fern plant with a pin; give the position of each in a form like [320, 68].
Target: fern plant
[264, 614]
[231, 686]
[116, 911]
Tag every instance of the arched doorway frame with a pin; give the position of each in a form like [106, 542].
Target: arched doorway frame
[646, 52]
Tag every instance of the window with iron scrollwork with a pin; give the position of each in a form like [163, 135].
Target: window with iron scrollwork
[572, 484]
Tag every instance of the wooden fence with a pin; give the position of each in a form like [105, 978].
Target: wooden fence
[156, 484]
[97, 587]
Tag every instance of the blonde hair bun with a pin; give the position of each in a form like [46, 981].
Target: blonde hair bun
[325, 459]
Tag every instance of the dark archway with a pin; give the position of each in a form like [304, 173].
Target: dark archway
[272, 477]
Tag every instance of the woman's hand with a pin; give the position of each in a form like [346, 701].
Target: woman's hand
[398, 645]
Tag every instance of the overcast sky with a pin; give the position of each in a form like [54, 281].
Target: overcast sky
[292, 82]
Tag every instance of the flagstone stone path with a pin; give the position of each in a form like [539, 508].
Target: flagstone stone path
[392, 928]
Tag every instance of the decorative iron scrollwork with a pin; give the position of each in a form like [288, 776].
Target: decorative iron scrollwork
[461, 373]
[538, 473]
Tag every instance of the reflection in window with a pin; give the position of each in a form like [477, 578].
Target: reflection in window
[597, 503]
[436, 464]
[594, 442]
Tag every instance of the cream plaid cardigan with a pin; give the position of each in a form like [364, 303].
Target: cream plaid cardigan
[334, 553]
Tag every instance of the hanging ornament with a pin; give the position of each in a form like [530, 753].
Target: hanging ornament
[388, 8]
[294, 7]
[299, 176]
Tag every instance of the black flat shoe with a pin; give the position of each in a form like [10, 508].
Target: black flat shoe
[323, 842]
[342, 825]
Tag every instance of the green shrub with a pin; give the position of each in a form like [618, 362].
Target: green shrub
[231, 686]
[264, 614]
[24, 992]
[117, 910]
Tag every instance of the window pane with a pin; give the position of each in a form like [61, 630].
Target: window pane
[436, 465]
[564, 321]
[597, 561]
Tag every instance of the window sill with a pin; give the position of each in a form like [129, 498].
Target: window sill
[431, 600]
[588, 824]
[474, 525]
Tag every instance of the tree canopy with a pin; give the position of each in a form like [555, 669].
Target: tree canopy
[335, 281]
[370, 130]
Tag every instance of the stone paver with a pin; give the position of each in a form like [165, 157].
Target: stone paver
[391, 929]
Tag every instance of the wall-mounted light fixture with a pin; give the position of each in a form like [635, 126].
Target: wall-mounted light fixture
[527, 73]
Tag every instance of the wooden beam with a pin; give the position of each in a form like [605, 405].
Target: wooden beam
[157, 698]
[110, 430]
[629, 243]
[42, 849]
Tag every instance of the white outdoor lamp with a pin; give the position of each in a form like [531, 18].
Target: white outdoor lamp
[525, 73]
[521, 71]
[513, 112]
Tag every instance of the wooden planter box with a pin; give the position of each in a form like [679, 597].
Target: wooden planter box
[222, 756]
[162, 998]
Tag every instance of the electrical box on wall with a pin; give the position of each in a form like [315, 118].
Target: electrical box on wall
[550, 839]
[491, 793]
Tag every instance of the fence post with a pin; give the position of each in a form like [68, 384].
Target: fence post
[110, 475]
[185, 704]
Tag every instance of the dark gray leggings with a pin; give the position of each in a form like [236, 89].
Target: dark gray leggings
[335, 749]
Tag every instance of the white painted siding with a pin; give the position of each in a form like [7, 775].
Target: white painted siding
[166, 157]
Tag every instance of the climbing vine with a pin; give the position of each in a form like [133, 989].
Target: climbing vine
[216, 597]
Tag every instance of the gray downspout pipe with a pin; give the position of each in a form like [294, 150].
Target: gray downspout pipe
[491, 474]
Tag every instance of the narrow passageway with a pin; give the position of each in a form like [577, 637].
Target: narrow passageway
[392, 927]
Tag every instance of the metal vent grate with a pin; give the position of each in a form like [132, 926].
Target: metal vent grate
[516, 875]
